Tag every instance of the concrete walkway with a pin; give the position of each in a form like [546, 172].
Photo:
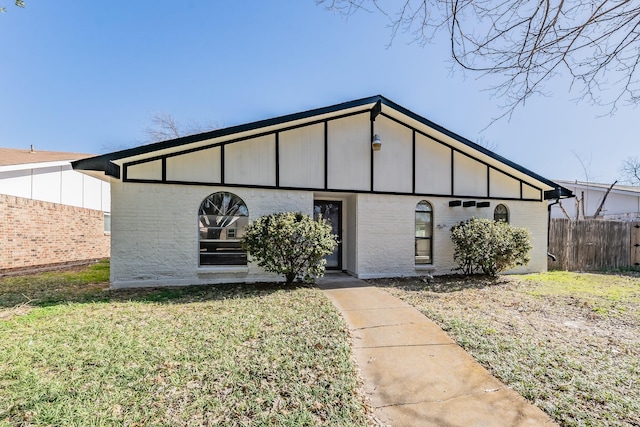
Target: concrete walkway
[413, 373]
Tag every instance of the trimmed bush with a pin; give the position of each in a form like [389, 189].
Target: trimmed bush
[489, 246]
[290, 243]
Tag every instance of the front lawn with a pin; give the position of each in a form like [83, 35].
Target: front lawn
[568, 342]
[74, 353]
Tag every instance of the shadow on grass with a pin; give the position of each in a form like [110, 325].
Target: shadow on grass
[84, 286]
[442, 284]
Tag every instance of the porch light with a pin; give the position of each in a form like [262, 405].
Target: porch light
[377, 143]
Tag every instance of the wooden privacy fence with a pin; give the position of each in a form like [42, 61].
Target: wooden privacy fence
[593, 244]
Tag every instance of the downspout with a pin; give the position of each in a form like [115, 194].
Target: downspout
[549, 254]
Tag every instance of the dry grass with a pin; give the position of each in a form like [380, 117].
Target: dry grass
[568, 342]
[76, 354]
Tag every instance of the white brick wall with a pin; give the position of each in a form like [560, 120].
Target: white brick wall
[155, 236]
[386, 233]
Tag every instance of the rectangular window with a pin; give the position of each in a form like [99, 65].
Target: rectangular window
[424, 229]
[220, 240]
[107, 223]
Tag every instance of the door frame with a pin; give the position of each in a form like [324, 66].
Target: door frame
[339, 229]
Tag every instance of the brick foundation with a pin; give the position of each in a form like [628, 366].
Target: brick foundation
[34, 233]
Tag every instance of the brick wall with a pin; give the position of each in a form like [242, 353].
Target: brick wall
[36, 233]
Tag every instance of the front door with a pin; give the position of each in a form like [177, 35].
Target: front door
[331, 210]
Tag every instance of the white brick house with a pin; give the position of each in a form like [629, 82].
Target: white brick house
[179, 206]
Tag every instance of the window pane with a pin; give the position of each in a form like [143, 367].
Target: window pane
[107, 222]
[424, 232]
[221, 224]
[423, 224]
[423, 251]
[423, 207]
[501, 213]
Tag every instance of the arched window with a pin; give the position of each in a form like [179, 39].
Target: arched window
[501, 213]
[222, 218]
[424, 233]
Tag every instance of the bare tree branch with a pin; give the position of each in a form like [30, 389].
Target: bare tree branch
[586, 167]
[630, 170]
[19, 3]
[564, 211]
[526, 43]
[166, 127]
[604, 199]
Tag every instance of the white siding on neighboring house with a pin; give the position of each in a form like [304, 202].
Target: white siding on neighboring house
[55, 182]
[622, 203]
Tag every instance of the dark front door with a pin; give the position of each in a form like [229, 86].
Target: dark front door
[331, 210]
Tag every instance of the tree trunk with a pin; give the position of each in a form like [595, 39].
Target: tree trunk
[290, 277]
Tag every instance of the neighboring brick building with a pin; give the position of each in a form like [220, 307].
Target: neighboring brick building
[391, 183]
[49, 214]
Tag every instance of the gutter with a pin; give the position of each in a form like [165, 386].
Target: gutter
[559, 195]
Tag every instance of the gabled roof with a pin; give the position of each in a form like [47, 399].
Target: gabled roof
[109, 163]
[15, 156]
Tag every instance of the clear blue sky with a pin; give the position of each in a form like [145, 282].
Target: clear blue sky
[89, 76]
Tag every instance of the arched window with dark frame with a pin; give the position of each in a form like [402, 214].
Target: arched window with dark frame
[501, 213]
[222, 218]
[424, 233]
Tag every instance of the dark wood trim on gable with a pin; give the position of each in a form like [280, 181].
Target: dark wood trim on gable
[330, 190]
[277, 159]
[521, 191]
[453, 177]
[222, 179]
[413, 161]
[453, 149]
[371, 154]
[372, 105]
[325, 122]
[326, 154]
[488, 180]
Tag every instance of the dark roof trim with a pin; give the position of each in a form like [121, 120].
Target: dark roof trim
[472, 144]
[99, 163]
[103, 162]
[558, 193]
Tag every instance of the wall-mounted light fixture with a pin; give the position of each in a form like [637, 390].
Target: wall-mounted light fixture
[376, 145]
[454, 203]
[468, 203]
[483, 205]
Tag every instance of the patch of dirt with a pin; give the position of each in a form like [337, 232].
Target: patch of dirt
[19, 310]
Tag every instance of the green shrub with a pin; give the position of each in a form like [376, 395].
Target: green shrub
[489, 246]
[290, 243]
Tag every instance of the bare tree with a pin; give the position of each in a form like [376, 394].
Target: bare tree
[630, 170]
[166, 127]
[527, 42]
